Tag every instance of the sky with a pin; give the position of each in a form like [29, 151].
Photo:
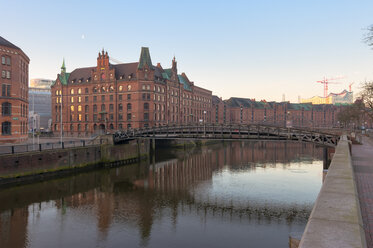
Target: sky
[253, 49]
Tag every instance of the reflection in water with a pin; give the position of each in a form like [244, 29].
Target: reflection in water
[233, 194]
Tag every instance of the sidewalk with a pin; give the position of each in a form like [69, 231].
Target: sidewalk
[362, 161]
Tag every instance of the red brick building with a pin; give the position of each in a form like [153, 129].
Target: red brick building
[14, 93]
[110, 97]
[250, 111]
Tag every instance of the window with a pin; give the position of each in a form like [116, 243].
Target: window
[120, 126]
[94, 90]
[129, 117]
[111, 117]
[86, 90]
[147, 96]
[94, 108]
[72, 99]
[94, 98]
[129, 106]
[120, 97]
[120, 107]
[71, 127]
[6, 109]
[102, 107]
[3, 74]
[146, 116]
[129, 97]
[111, 126]
[102, 98]
[120, 117]
[143, 96]
[8, 74]
[5, 90]
[86, 108]
[111, 97]
[120, 88]
[72, 108]
[79, 127]
[128, 126]
[103, 90]
[79, 99]
[79, 91]
[129, 87]
[72, 91]
[6, 128]
[111, 107]
[8, 60]
[3, 60]
[86, 117]
[95, 117]
[86, 127]
[146, 106]
[79, 108]
[79, 117]
[86, 99]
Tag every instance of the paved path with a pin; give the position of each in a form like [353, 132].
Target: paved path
[362, 160]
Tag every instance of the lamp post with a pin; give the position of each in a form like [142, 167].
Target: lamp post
[204, 121]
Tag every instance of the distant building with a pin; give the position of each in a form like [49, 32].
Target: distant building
[40, 107]
[345, 97]
[14, 92]
[40, 83]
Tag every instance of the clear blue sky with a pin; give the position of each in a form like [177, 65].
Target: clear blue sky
[255, 49]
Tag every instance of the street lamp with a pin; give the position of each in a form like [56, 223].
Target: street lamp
[204, 121]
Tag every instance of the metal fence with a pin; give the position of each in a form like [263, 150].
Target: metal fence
[12, 149]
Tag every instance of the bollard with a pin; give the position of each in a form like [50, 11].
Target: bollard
[12, 149]
[40, 147]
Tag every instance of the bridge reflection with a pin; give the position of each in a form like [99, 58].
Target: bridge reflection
[138, 195]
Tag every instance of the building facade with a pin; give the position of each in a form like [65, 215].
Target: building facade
[345, 97]
[40, 113]
[14, 93]
[110, 97]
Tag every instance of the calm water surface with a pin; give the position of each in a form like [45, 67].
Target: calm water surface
[237, 194]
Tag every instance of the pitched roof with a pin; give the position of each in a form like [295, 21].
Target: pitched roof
[4, 42]
[185, 82]
[145, 58]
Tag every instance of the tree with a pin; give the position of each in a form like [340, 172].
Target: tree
[368, 37]
[367, 98]
[351, 115]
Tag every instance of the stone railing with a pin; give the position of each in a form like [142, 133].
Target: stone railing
[336, 220]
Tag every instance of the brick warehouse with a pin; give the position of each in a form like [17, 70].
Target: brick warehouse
[14, 93]
[110, 97]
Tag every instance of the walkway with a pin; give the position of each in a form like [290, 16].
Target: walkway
[362, 160]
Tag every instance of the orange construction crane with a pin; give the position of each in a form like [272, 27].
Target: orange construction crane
[349, 86]
[326, 81]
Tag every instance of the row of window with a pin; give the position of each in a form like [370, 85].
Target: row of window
[5, 60]
[95, 127]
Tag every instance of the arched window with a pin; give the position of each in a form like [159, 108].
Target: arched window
[120, 88]
[129, 106]
[146, 106]
[72, 91]
[111, 88]
[79, 91]
[94, 90]
[6, 128]
[6, 109]
[103, 89]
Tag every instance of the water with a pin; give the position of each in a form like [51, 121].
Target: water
[235, 194]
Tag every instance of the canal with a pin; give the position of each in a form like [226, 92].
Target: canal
[232, 194]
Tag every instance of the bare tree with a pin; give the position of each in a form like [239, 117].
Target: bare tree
[368, 37]
[367, 98]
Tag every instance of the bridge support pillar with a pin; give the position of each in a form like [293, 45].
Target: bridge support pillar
[326, 160]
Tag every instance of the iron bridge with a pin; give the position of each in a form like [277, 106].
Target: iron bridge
[229, 132]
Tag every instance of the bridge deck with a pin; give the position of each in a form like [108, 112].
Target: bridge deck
[245, 132]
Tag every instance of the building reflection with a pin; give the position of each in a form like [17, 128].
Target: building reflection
[137, 195]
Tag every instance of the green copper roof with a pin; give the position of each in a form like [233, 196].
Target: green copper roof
[184, 82]
[145, 58]
[64, 78]
[63, 64]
